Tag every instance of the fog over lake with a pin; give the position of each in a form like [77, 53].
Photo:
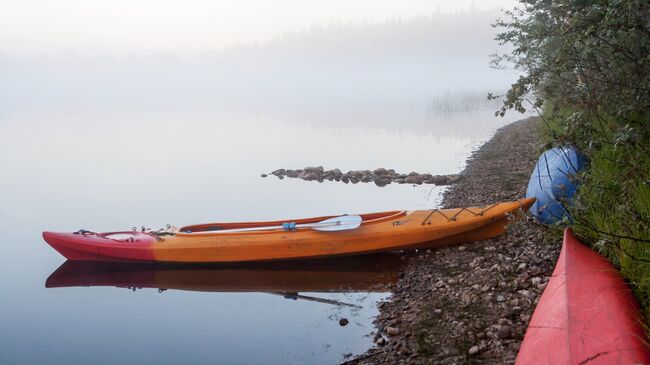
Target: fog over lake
[111, 140]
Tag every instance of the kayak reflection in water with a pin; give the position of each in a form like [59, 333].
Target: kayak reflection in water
[369, 273]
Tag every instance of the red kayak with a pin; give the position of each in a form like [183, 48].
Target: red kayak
[586, 315]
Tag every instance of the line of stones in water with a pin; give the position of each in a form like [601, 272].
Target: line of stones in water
[381, 176]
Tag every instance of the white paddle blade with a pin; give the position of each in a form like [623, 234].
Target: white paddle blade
[341, 223]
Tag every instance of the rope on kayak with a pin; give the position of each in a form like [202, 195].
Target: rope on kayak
[453, 217]
[169, 230]
[431, 213]
[488, 208]
[84, 232]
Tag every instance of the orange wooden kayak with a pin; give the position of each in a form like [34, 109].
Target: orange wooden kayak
[287, 239]
[586, 315]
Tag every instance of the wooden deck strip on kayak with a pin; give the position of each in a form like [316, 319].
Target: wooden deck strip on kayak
[208, 228]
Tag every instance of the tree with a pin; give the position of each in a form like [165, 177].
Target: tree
[590, 56]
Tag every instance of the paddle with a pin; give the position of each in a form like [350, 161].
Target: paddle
[342, 223]
[296, 296]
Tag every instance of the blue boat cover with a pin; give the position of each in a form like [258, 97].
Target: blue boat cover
[552, 185]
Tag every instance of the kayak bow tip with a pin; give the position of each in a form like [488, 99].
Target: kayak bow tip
[527, 203]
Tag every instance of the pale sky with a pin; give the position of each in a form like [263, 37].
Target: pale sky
[115, 26]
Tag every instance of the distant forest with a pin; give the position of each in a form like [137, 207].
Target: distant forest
[441, 61]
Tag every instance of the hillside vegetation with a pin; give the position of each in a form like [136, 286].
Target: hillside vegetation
[585, 66]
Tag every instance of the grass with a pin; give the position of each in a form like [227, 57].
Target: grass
[611, 211]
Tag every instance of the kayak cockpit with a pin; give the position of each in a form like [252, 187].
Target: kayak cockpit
[215, 227]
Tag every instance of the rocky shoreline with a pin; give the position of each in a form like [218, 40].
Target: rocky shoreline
[380, 176]
[472, 303]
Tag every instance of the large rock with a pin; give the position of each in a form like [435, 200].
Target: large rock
[412, 179]
[316, 169]
[439, 180]
[278, 172]
[311, 176]
[381, 181]
[293, 173]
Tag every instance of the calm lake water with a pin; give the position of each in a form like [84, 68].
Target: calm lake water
[114, 168]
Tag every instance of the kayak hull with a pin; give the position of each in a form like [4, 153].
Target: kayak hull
[587, 314]
[378, 232]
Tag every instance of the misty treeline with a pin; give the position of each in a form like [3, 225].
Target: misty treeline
[587, 64]
[425, 60]
[590, 55]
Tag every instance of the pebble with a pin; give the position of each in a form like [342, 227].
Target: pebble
[528, 294]
[343, 322]
[392, 331]
[473, 350]
[504, 332]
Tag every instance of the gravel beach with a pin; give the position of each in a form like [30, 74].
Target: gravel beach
[472, 303]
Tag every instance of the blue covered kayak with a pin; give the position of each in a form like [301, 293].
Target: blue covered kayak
[552, 184]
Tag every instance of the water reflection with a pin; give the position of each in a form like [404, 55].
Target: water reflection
[370, 273]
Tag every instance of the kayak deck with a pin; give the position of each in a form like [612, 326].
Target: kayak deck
[587, 314]
[215, 227]
[378, 232]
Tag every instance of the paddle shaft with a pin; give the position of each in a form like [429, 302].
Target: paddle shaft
[305, 225]
[315, 299]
